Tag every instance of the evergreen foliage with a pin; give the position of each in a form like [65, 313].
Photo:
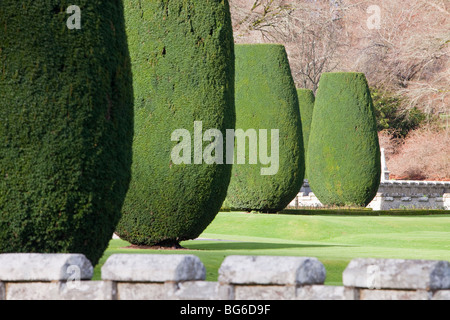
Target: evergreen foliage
[343, 152]
[66, 126]
[306, 100]
[393, 116]
[266, 98]
[183, 67]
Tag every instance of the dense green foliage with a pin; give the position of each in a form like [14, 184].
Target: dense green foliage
[343, 151]
[183, 67]
[306, 100]
[266, 98]
[66, 126]
[392, 116]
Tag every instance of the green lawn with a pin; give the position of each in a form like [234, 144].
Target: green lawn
[333, 239]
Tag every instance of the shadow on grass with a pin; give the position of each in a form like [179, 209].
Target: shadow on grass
[231, 245]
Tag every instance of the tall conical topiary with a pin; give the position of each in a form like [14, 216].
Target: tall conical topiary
[266, 99]
[183, 61]
[306, 100]
[66, 126]
[343, 152]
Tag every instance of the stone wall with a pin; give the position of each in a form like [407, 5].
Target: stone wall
[182, 277]
[393, 195]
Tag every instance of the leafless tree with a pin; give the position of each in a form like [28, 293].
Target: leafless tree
[406, 52]
[310, 30]
[409, 53]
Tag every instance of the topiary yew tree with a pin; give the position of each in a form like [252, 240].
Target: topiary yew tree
[66, 126]
[306, 100]
[183, 63]
[343, 153]
[266, 99]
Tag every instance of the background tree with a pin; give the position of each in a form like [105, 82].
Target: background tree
[405, 55]
[310, 31]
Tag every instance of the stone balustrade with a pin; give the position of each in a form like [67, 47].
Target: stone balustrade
[182, 277]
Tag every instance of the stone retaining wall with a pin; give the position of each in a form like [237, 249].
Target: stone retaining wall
[182, 277]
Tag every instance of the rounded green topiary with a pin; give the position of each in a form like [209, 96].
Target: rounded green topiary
[266, 99]
[66, 126]
[183, 64]
[343, 152]
[306, 100]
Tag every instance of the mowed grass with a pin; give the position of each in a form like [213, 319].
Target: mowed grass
[334, 240]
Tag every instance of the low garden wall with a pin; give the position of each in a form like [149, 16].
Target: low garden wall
[393, 195]
[182, 277]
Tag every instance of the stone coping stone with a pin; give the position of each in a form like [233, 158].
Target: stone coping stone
[271, 270]
[415, 182]
[23, 267]
[153, 268]
[397, 274]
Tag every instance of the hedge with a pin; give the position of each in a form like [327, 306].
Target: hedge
[66, 126]
[343, 153]
[183, 65]
[266, 99]
[306, 101]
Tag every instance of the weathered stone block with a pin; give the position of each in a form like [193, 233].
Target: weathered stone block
[88, 290]
[442, 295]
[397, 274]
[153, 268]
[267, 292]
[365, 294]
[144, 291]
[271, 270]
[2, 291]
[321, 292]
[201, 290]
[32, 291]
[83, 290]
[44, 267]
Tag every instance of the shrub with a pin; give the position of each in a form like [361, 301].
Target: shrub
[306, 100]
[392, 116]
[183, 61]
[66, 126]
[343, 151]
[266, 98]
